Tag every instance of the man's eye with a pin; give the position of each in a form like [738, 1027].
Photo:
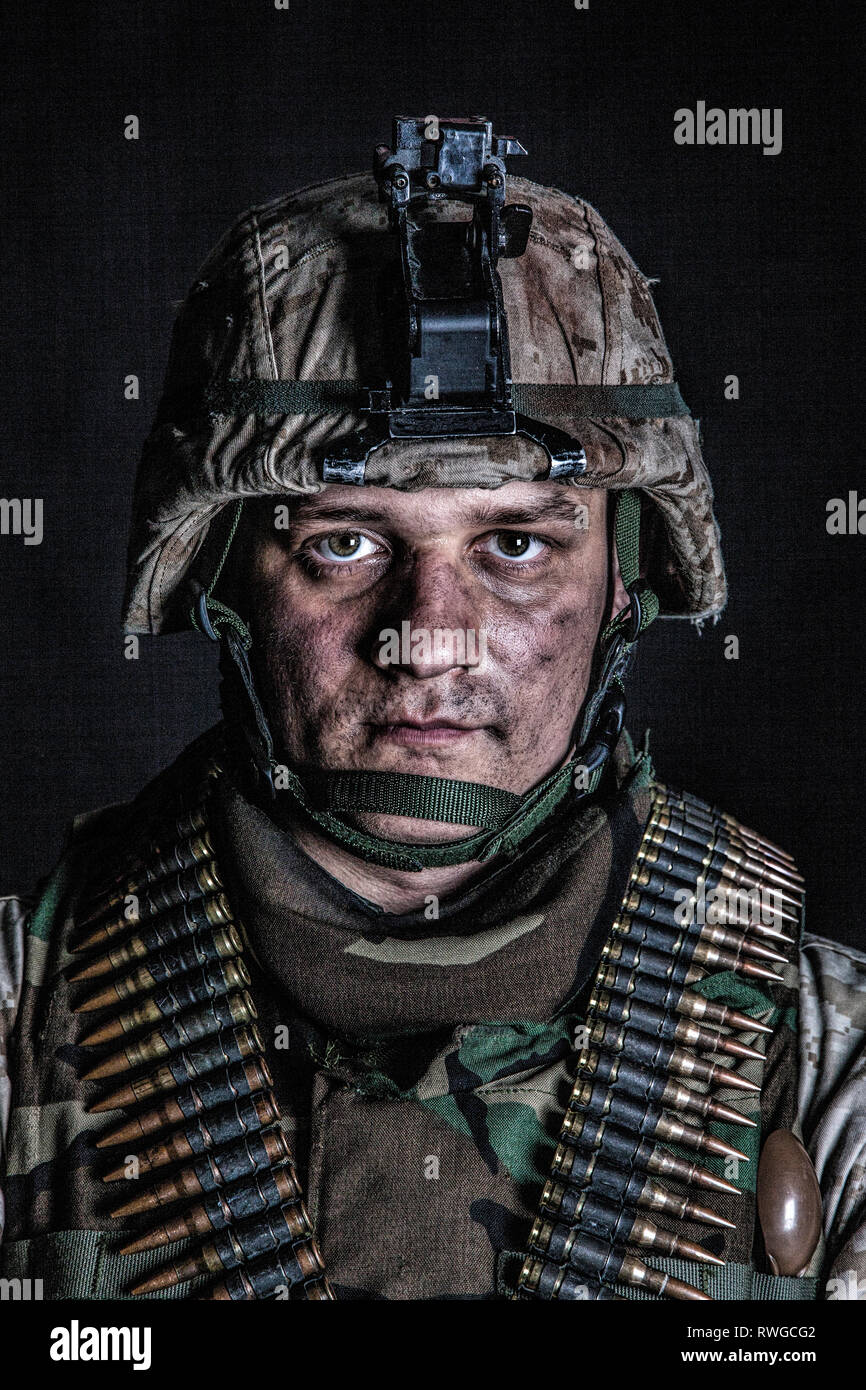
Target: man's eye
[345, 545]
[513, 545]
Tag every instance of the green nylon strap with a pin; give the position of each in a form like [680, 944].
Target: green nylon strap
[41, 919]
[426, 798]
[218, 614]
[530, 811]
[656, 402]
[85, 1265]
[729, 1282]
[283, 397]
[235, 396]
[627, 537]
[627, 533]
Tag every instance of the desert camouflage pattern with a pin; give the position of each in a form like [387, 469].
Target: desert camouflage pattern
[421, 1064]
[291, 293]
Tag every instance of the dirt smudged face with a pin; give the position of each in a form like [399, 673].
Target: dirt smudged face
[447, 632]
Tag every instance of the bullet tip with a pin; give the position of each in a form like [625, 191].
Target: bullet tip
[709, 1218]
[675, 1288]
[698, 1253]
[745, 1085]
[134, 1247]
[110, 1067]
[163, 1280]
[721, 1185]
[134, 1206]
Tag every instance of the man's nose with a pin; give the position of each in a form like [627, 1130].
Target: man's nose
[432, 626]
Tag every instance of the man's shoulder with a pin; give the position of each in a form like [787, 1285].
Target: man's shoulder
[832, 1035]
[13, 916]
[836, 955]
[834, 975]
[832, 1099]
[832, 1014]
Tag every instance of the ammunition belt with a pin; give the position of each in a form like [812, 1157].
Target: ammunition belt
[168, 979]
[646, 1033]
[167, 959]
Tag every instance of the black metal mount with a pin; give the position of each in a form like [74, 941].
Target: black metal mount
[450, 373]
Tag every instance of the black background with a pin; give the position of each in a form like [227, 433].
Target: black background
[240, 102]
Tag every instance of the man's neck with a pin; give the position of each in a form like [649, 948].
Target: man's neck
[394, 890]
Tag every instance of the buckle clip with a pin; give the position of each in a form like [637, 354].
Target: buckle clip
[202, 616]
[635, 613]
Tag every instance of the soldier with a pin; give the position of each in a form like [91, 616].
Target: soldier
[411, 980]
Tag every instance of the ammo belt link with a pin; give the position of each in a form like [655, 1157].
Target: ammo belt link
[603, 1208]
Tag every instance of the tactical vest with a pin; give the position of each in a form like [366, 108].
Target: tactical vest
[684, 1059]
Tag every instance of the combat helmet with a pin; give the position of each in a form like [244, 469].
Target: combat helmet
[418, 328]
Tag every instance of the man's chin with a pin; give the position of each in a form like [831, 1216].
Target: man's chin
[411, 831]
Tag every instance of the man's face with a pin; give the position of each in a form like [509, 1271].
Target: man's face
[447, 632]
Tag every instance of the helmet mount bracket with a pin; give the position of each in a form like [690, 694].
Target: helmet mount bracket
[450, 373]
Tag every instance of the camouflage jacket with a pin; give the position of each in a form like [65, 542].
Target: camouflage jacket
[421, 1063]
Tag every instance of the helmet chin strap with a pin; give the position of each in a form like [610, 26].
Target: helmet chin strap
[502, 820]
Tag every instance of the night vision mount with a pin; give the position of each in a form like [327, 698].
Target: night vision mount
[450, 373]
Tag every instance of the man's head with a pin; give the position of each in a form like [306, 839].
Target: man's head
[448, 632]
[419, 608]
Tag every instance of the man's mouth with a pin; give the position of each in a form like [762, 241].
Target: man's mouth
[428, 733]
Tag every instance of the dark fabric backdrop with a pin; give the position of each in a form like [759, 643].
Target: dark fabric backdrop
[239, 102]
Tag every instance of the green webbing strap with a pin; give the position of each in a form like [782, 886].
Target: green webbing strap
[729, 1282]
[261, 397]
[427, 798]
[660, 401]
[416, 795]
[209, 613]
[627, 536]
[238, 397]
[86, 1265]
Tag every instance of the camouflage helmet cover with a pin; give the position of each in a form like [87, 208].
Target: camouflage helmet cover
[291, 292]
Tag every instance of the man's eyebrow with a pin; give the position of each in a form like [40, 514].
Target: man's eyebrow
[525, 513]
[486, 513]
